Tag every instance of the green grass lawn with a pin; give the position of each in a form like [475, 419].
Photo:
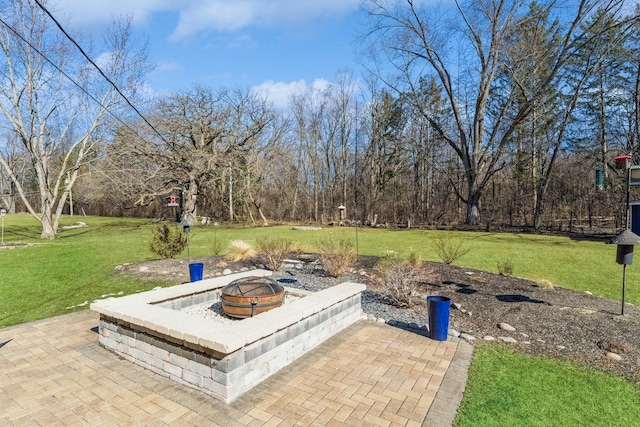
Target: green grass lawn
[46, 278]
[512, 389]
[49, 278]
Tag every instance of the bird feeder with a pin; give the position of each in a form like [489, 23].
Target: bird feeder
[600, 179]
[186, 225]
[624, 255]
[623, 162]
[172, 201]
[343, 212]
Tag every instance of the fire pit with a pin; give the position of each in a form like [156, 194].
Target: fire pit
[249, 296]
[222, 360]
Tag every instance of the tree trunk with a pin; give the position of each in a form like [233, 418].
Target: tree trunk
[473, 207]
[48, 227]
[191, 196]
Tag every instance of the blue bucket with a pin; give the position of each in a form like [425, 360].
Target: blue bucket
[438, 312]
[195, 271]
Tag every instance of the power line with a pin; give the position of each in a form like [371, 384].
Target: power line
[56, 67]
[93, 98]
[72, 40]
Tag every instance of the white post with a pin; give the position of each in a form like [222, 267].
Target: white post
[3, 213]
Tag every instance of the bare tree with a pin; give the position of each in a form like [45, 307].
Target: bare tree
[203, 135]
[57, 107]
[309, 111]
[465, 57]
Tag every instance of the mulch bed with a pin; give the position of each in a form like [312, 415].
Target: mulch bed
[558, 322]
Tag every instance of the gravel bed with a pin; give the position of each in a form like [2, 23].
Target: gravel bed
[215, 312]
[372, 303]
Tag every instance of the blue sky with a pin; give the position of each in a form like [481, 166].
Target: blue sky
[278, 46]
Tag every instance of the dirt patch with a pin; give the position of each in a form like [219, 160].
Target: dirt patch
[561, 323]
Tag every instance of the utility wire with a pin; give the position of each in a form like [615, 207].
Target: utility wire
[72, 40]
[93, 98]
[10, 28]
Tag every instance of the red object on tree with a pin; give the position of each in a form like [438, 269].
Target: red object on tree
[173, 200]
[623, 161]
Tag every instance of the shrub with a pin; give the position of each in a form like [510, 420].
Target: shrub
[399, 282]
[337, 256]
[505, 268]
[414, 260]
[218, 245]
[239, 250]
[545, 284]
[448, 248]
[298, 247]
[167, 242]
[272, 252]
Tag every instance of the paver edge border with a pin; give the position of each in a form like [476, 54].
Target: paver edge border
[445, 405]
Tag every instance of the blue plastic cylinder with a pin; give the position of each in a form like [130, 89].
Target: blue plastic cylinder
[438, 313]
[195, 271]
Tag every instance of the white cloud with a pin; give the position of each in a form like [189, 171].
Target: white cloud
[195, 16]
[87, 13]
[223, 15]
[280, 93]
[167, 66]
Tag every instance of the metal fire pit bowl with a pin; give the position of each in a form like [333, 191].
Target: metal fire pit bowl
[249, 296]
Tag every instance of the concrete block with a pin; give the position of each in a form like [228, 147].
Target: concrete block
[193, 378]
[107, 342]
[172, 369]
[154, 361]
[179, 361]
[160, 353]
[197, 368]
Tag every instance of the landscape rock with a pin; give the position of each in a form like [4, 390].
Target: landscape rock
[613, 356]
[506, 327]
[488, 338]
[508, 339]
[467, 337]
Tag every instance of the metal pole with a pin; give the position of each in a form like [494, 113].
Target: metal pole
[627, 216]
[2, 230]
[624, 286]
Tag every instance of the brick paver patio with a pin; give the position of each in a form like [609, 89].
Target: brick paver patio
[53, 372]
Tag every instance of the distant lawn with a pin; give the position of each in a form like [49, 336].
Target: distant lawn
[48, 277]
[512, 389]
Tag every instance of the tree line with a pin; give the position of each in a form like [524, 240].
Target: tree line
[481, 113]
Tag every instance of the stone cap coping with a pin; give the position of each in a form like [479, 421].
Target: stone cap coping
[142, 309]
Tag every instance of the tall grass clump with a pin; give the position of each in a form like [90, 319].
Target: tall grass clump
[337, 256]
[449, 248]
[218, 245]
[272, 252]
[239, 250]
[167, 242]
[505, 268]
